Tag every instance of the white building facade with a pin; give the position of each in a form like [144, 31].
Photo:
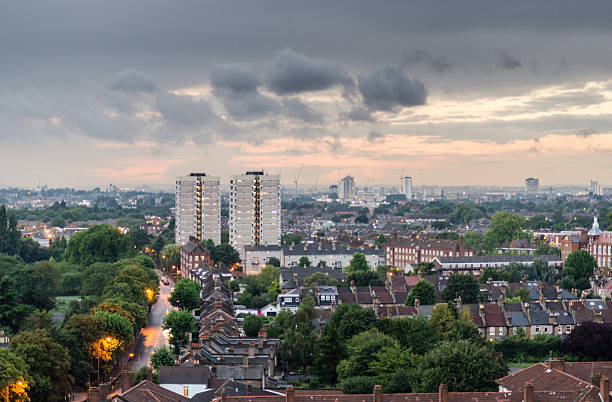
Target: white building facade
[407, 187]
[198, 208]
[346, 188]
[255, 209]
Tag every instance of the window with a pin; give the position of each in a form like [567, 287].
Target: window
[492, 331]
[537, 329]
[501, 331]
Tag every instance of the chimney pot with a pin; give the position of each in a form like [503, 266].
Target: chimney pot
[223, 395]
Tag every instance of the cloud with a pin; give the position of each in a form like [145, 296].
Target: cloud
[357, 113]
[184, 111]
[235, 78]
[294, 73]
[133, 82]
[299, 110]
[437, 64]
[507, 62]
[375, 136]
[250, 105]
[389, 87]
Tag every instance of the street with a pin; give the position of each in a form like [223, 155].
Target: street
[152, 337]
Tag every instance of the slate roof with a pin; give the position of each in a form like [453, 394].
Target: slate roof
[327, 249]
[146, 391]
[539, 318]
[183, 375]
[497, 258]
[517, 319]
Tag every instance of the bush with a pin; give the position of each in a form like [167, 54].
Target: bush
[358, 385]
[521, 349]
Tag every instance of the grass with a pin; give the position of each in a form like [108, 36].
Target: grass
[520, 365]
[62, 303]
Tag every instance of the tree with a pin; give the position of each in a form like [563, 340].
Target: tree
[412, 333]
[545, 249]
[362, 349]
[38, 320]
[361, 219]
[11, 313]
[14, 236]
[298, 346]
[291, 238]
[179, 323]
[4, 237]
[273, 291]
[38, 284]
[171, 256]
[304, 262]
[119, 326]
[422, 290]
[15, 380]
[396, 369]
[252, 325]
[589, 341]
[225, 254]
[463, 285]
[446, 364]
[100, 243]
[540, 271]
[163, 356]
[505, 227]
[364, 278]
[380, 240]
[358, 385]
[274, 261]
[139, 238]
[358, 263]
[48, 363]
[57, 248]
[186, 295]
[577, 270]
[319, 279]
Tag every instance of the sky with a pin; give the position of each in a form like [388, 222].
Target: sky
[448, 92]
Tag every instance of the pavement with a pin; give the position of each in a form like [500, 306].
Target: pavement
[153, 336]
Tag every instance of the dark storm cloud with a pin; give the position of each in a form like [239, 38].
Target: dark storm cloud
[389, 87]
[299, 110]
[507, 62]
[184, 111]
[294, 73]
[250, 105]
[438, 64]
[132, 81]
[237, 78]
[357, 113]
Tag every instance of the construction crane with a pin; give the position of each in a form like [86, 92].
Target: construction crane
[297, 177]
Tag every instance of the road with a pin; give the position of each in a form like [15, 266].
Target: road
[153, 337]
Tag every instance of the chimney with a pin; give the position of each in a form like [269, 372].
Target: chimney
[557, 364]
[552, 319]
[604, 388]
[333, 245]
[500, 300]
[213, 370]
[223, 395]
[295, 277]
[105, 390]
[94, 394]
[231, 349]
[528, 392]
[245, 361]
[542, 300]
[481, 310]
[249, 388]
[527, 312]
[442, 393]
[459, 303]
[290, 394]
[305, 246]
[260, 340]
[127, 380]
[149, 374]
[252, 349]
[319, 247]
[377, 394]
[417, 303]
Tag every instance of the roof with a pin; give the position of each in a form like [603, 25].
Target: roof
[327, 249]
[517, 319]
[494, 316]
[544, 378]
[251, 372]
[498, 258]
[146, 391]
[586, 370]
[539, 318]
[183, 375]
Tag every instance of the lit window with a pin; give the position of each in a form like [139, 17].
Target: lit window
[186, 390]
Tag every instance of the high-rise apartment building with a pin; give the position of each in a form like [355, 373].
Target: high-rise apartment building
[407, 187]
[532, 185]
[346, 188]
[255, 208]
[198, 208]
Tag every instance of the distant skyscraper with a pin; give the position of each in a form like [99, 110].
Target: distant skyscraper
[346, 188]
[595, 188]
[532, 185]
[198, 208]
[254, 216]
[407, 187]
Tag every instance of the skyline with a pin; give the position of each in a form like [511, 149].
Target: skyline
[450, 94]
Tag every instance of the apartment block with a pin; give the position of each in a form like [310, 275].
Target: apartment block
[198, 208]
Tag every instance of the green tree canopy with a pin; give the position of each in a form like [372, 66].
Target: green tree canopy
[422, 290]
[100, 243]
[463, 285]
[362, 350]
[446, 364]
[12, 371]
[163, 356]
[505, 227]
[186, 294]
[358, 263]
[179, 323]
[304, 262]
[252, 325]
[577, 270]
